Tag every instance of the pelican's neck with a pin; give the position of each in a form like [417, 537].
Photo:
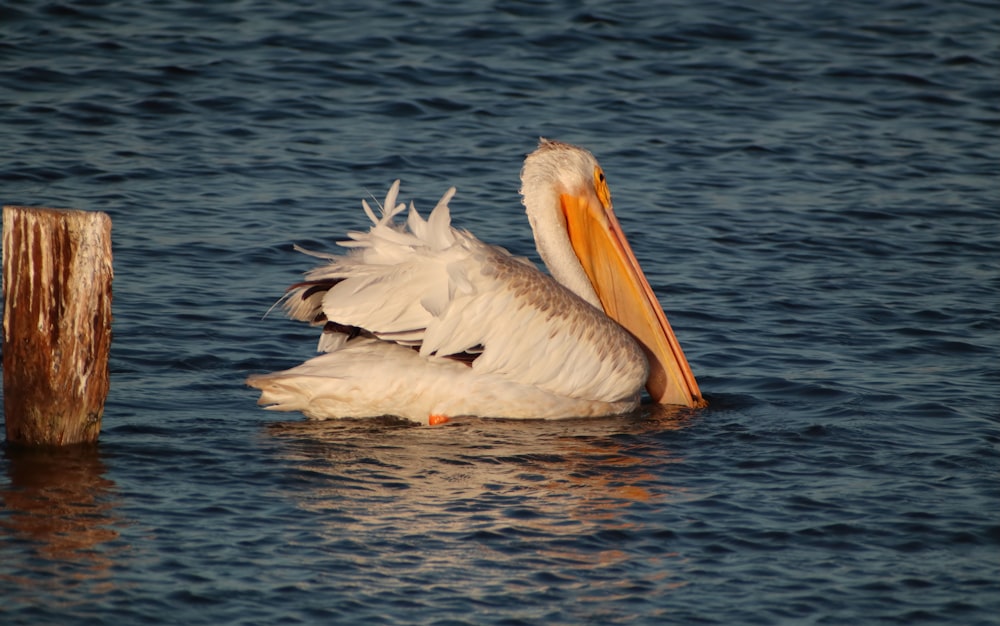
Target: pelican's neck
[548, 172]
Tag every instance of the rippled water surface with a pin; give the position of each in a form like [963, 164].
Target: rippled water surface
[812, 189]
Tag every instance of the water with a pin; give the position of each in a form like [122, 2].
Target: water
[813, 192]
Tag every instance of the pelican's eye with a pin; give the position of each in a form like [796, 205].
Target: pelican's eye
[601, 187]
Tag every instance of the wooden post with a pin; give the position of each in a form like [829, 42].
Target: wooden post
[56, 324]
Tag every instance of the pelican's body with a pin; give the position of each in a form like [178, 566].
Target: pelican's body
[425, 321]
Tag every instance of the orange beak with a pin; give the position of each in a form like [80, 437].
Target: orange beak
[609, 262]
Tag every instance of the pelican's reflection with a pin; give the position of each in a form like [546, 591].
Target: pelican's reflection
[567, 476]
[58, 504]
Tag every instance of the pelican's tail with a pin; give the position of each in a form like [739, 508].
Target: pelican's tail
[376, 256]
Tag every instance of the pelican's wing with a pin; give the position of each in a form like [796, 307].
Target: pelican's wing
[447, 294]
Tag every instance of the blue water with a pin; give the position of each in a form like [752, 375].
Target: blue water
[814, 192]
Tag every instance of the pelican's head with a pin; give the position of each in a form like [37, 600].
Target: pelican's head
[568, 203]
[551, 172]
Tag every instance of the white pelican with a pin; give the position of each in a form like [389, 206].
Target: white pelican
[426, 322]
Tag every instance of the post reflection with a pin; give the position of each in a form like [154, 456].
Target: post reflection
[59, 507]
